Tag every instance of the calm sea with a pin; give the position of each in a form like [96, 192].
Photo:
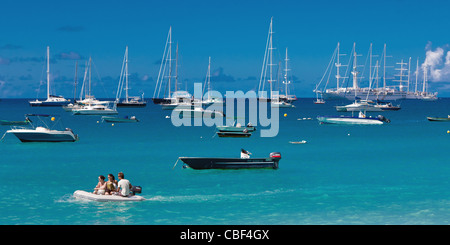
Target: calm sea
[390, 174]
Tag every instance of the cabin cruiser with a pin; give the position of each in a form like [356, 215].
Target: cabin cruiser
[42, 133]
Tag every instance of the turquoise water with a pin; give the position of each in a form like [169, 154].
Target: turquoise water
[389, 174]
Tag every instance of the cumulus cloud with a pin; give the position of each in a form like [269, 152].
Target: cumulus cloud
[437, 63]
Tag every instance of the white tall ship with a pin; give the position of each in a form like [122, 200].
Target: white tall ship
[378, 89]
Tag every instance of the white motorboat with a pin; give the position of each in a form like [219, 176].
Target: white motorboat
[42, 134]
[281, 104]
[361, 105]
[237, 128]
[96, 109]
[179, 100]
[361, 119]
[297, 142]
[80, 194]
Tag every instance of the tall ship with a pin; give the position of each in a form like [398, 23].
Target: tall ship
[404, 86]
[268, 76]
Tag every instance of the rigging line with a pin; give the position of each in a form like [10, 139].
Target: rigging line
[350, 60]
[175, 163]
[3, 136]
[328, 68]
[264, 61]
[100, 79]
[158, 81]
[121, 78]
[40, 82]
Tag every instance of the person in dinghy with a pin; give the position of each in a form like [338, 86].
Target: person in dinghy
[100, 188]
[124, 186]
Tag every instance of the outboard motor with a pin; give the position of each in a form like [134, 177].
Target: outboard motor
[136, 189]
[382, 118]
[275, 155]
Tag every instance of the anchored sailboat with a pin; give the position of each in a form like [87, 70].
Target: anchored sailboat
[134, 101]
[89, 105]
[52, 100]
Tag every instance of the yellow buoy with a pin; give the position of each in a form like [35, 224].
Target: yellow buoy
[112, 124]
[285, 114]
[53, 118]
[448, 131]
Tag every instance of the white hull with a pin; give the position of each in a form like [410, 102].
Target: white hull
[94, 112]
[350, 94]
[105, 198]
[43, 135]
[349, 121]
[357, 108]
[282, 105]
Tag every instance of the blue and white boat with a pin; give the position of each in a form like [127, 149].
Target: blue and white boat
[52, 100]
[198, 163]
[361, 119]
[42, 133]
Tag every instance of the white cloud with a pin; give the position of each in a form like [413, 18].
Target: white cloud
[437, 65]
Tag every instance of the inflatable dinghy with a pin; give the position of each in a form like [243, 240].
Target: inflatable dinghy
[105, 198]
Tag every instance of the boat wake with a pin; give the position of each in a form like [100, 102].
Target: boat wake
[215, 197]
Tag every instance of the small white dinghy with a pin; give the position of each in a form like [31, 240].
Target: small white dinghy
[298, 142]
[79, 194]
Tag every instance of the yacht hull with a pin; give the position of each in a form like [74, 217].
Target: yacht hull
[349, 120]
[52, 136]
[230, 163]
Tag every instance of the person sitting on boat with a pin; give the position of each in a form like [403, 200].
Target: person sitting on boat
[101, 186]
[245, 154]
[124, 186]
[111, 185]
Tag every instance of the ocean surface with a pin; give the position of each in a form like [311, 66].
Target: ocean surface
[396, 173]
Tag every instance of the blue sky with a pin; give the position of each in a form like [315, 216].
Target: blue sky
[232, 32]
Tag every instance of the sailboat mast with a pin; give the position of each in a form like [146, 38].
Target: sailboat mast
[271, 56]
[424, 78]
[384, 67]
[354, 72]
[90, 71]
[176, 70]
[417, 74]
[209, 79]
[286, 73]
[370, 65]
[126, 74]
[338, 65]
[409, 72]
[48, 72]
[76, 81]
[170, 60]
